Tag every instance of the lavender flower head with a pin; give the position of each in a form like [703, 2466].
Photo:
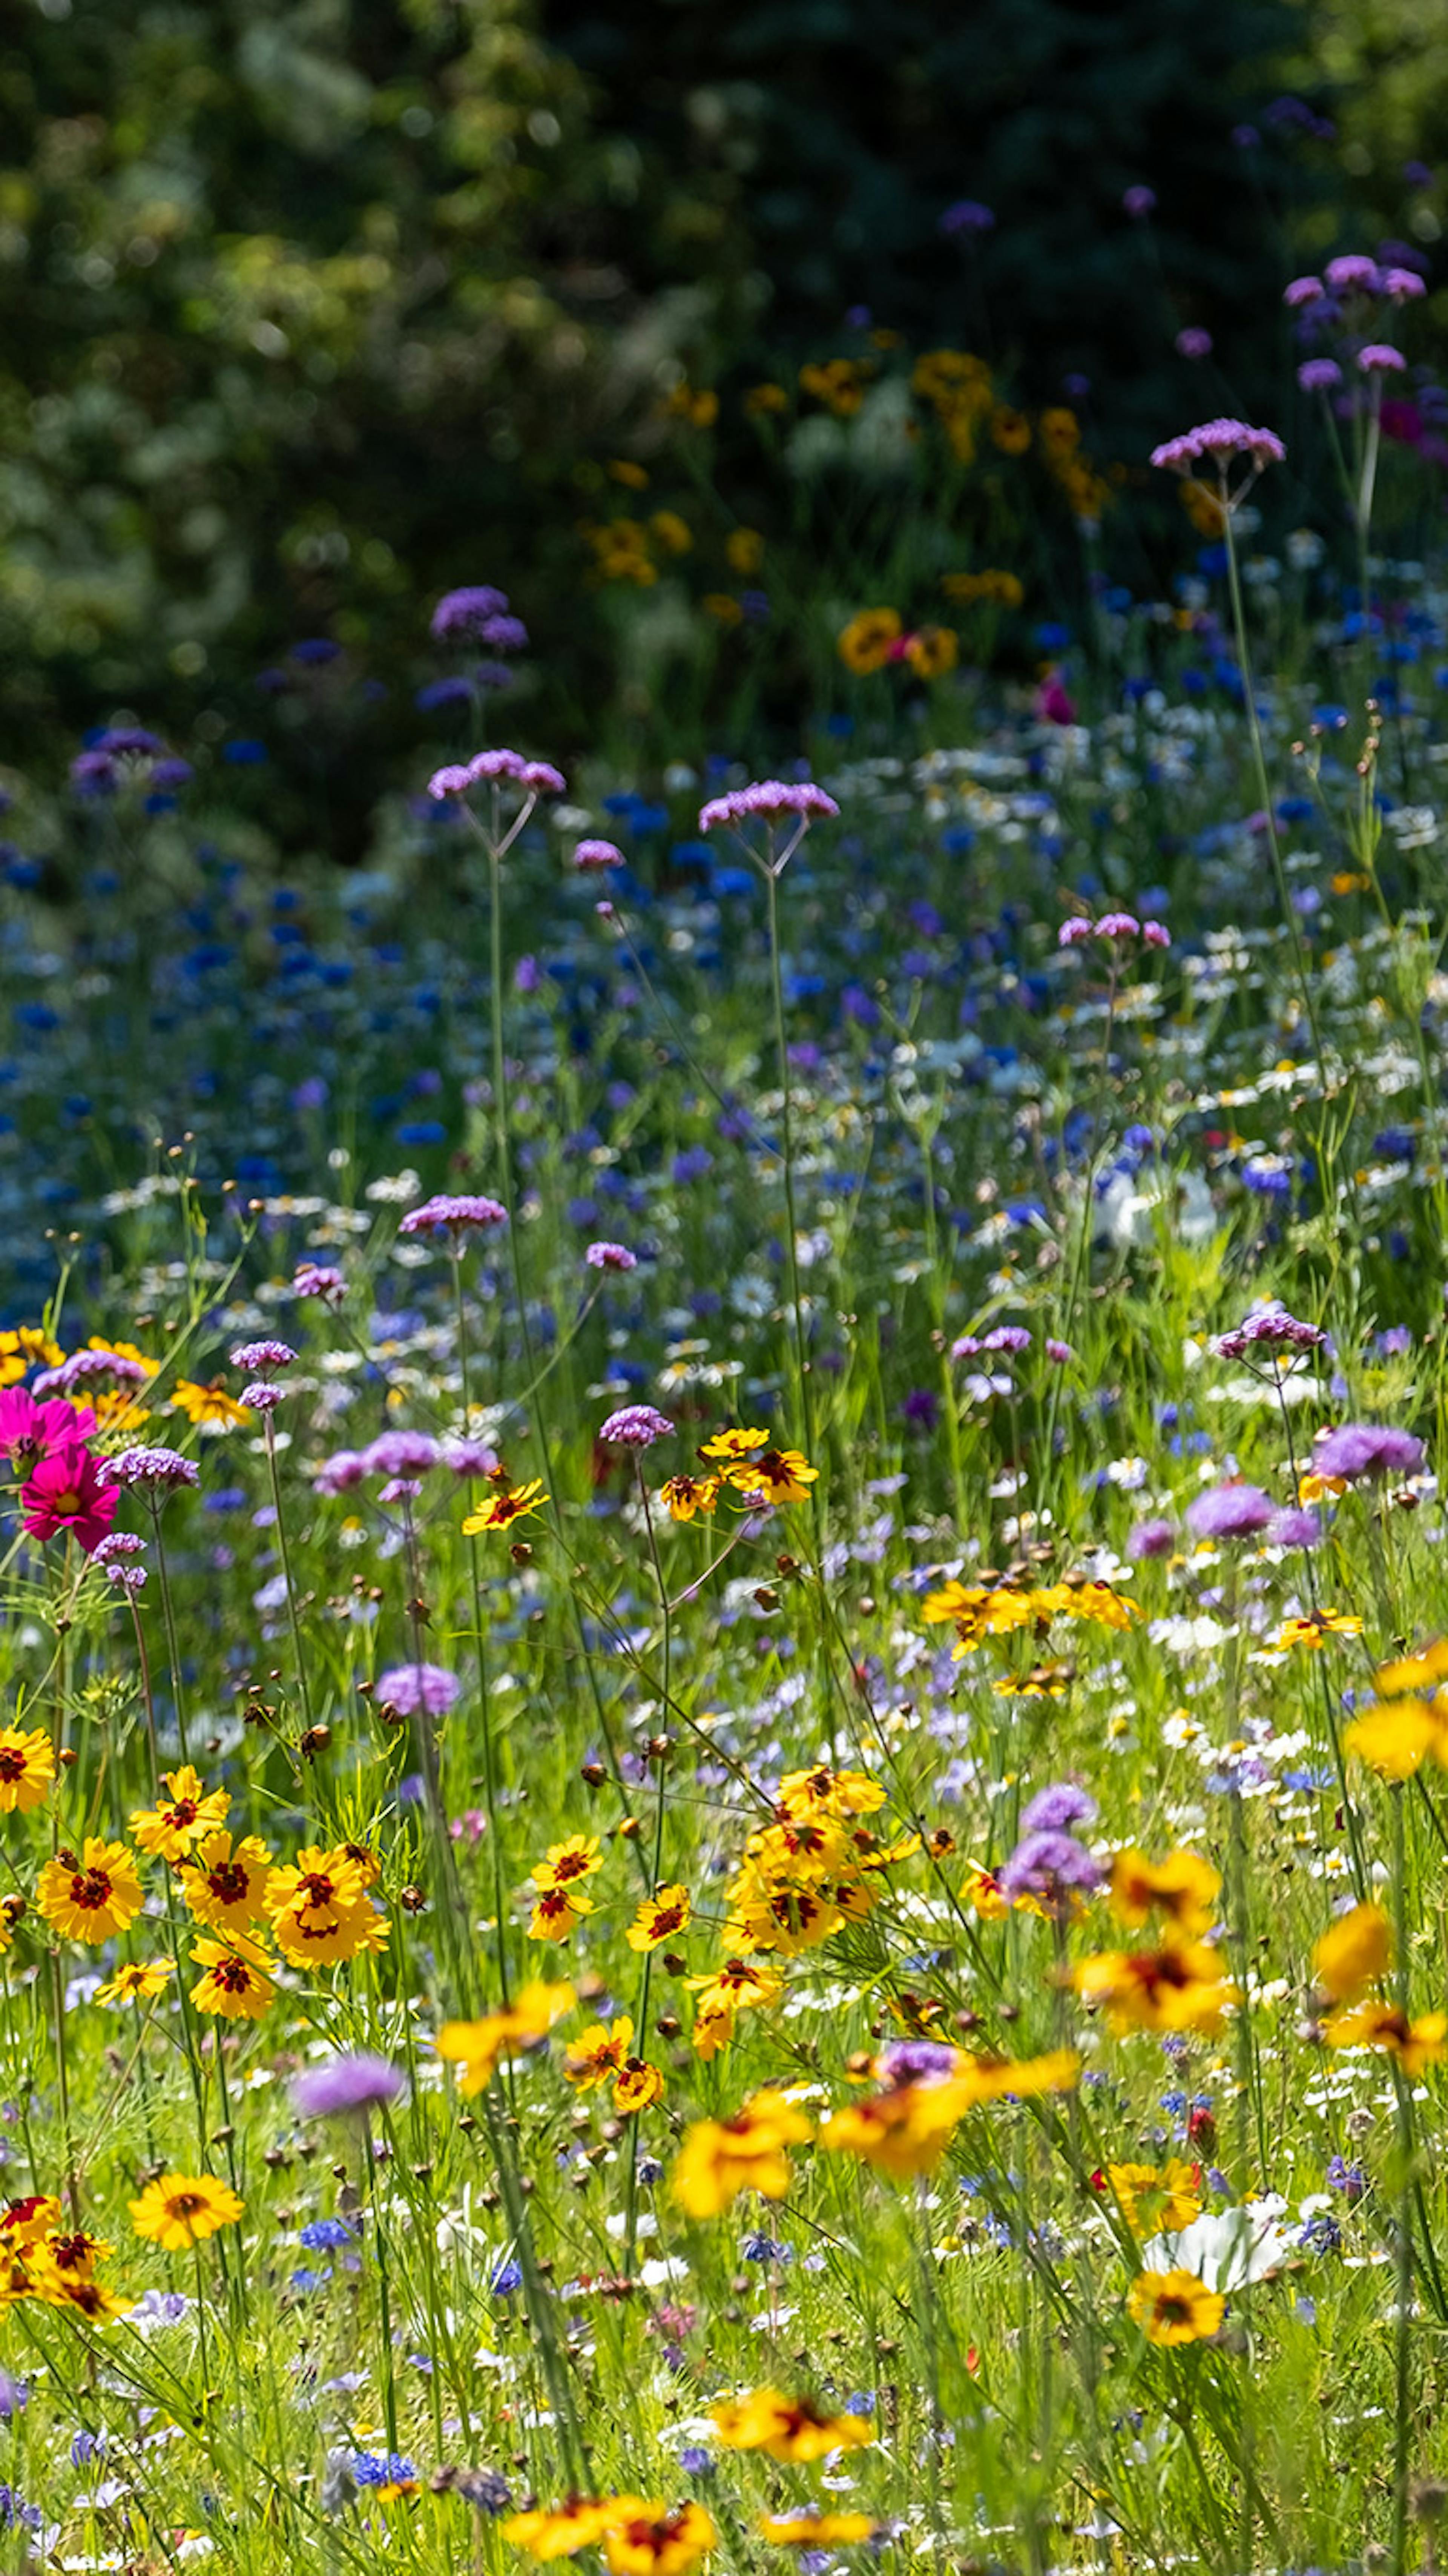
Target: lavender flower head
[1268, 1328]
[319, 1279]
[1353, 274]
[1058, 1809]
[1139, 202]
[1051, 1867]
[592, 856]
[1230, 1511]
[465, 614]
[465, 1457]
[1295, 1529]
[1367, 1449]
[416, 1690]
[1150, 1538]
[496, 768]
[771, 799]
[1380, 358]
[1302, 291]
[636, 1426]
[356, 2081]
[1215, 442]
[967, 215]
[459, 1214]
[1403, 285]
[610, 1256]
[82, 1366]
[1193, 342]
[157, 1468]
[1319, 375]
[339, 1473]
[396, 1453]
[253, 1356]
[261, 1395]
[918, 2061]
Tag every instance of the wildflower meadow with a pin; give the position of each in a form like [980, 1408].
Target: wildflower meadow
[723, 1836]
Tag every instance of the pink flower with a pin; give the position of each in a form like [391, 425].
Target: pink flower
[1214, 442]
[65, 1493]
[597, 854]
[1380, 358]
[1053, 703]
[29, 1431]
[1303, 290]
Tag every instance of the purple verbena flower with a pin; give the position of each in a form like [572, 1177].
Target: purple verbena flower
[1051, 1867]
[1151, 1538]
[1214, 442]
[597, 855]
[319, 1279]
[1319, 375]
[351, 2082]
[1237, 1510]
[1057, 1809]
[610, 1256]
[636, 1426]
[465, 613]
[399, 1453]
[769, 798]
[459, 1213]
[1357, 1449]
[1353, 273]
[252, 1356]
[1379, 358]
[154, 1467]
[419, 1689]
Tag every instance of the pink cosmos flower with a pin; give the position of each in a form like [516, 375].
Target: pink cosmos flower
[65, 1493]
[30, 1431]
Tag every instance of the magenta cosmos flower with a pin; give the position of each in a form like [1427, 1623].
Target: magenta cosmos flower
[65, 1494]
[636, 1426]
[29, 1431]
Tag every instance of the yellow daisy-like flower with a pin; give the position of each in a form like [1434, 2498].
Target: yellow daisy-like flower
[684, 1497]
[1353, 1953]
[1183, 1887]
[830, 1793]
[775, 1476]
[558, 1911]
[721, 2158]
[736, 1987]
[320, 1911]
[25, 1348]
[1397, 1738]
[1309, 1635]
[649, 2540]
[28, 2222]
[579, 2524]
[508, 1504]
[817, 2530]
[72, 2254]
[567, 1864]
[865, 644]
[139, 1982]
[728, 1447]
[662, 1917]
[477, 2047]
[89, 2299]
[1156, 2198]
[597, 2055]
[210, 1408]
[1175, 2307]
[638, 2088]
[27, 1769]
[1178, 1987]
[787, 2428]
[1415, 2044]
[181, 2210]
[92, 1898]
[169, 1832]
[224, 1880]
[237, 1985]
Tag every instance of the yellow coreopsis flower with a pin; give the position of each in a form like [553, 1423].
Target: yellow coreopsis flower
[1178, 1987]
[477, 2047]
[649, 2540]
[92, 1898]
[320, 1911]
[1398, 1736]
[597, 2055]
[169, 1832]
[1175, 2307]
[210, 1408]
[579, 2524]
[1415, 2044]
[181, 2210]
[817, 2530]
[139, 1982]
[1183, 1887]
[786, 2428]
[507, 1504]
[662, 1917]
[237, 1983]
[27, 1769]
[224, 1881]
[1156, 2198]
[1353, 1953]
[721, 2158]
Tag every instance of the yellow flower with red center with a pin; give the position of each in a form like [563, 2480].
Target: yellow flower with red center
[74, 2253]
[28, 2222]
[649, 2540]
[1175, 2307]
[210, 1408]
[597, 2055]
[1310, 1634]
[168, 1832]
[1157, 2198]
[639, 2087]
[737, 1987]
[868, 642]
[138, 1982]
[238, 1983]
[178, 2211]
[224, 1881]
[1178, 1987]
[775, 1476]
[906, 2129]
[558, 1911]
[822, 1791]
[978, 1610]
[817, 2530]
[1097, 1603]
[787, 2428]
[319, 1910]
[27, 1769]
[661, 1917]
[992, 588]
[91, 1898]
[721, 2158]
[476, 2048]
[1414, 2044]
[731, 1448]
[89, 2299]
[1353, 1953]
[578, 2524]
[506, 1504]
[565, 1864]
[1183, 1887]
[683, 1497]
[1010, 431]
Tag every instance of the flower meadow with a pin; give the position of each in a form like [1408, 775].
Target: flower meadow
[721, 1783]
